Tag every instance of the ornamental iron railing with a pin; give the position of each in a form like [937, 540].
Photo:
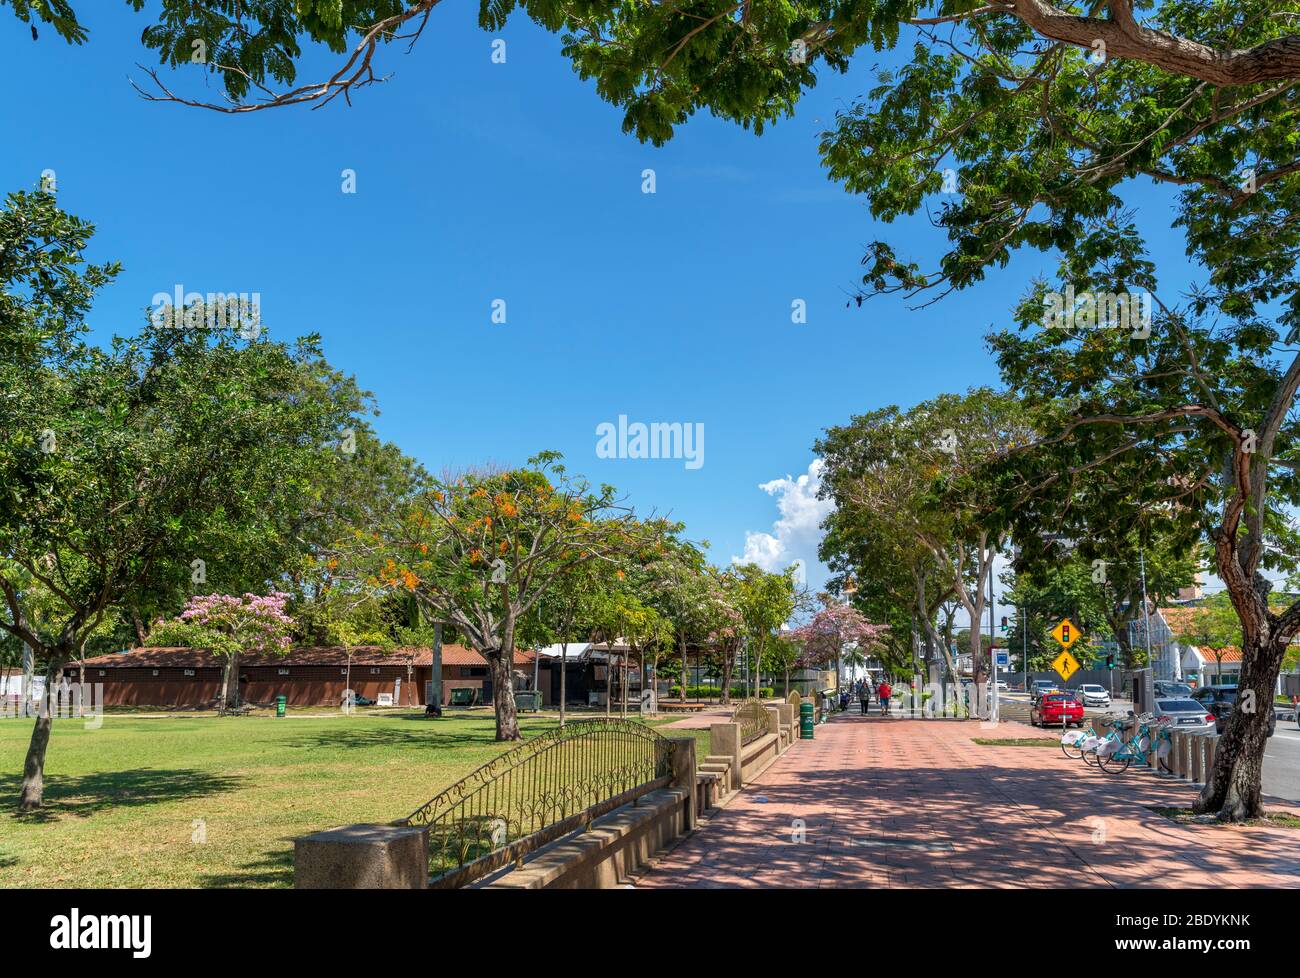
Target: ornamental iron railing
[752, 717]
[538, 792]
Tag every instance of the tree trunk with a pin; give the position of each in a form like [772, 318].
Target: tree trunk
[728, 663]
[683, 644]
[787, 684]
[141, 633]
[564, 673]
[503, 694]
[1234, 790]
[230, 685]
[32, 794]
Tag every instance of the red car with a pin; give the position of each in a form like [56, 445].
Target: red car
[1055, 708]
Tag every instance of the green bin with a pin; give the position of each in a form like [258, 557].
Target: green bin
[806, 720]
[280, 703]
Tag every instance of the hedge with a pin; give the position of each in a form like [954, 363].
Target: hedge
[714, 692]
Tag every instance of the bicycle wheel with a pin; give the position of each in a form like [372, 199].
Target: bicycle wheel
[1090, 757]
[1162, 761]
[1114, 764]
[1071, 750]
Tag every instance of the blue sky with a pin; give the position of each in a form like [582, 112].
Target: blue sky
[478, 181]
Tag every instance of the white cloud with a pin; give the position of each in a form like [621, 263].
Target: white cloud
[796, 534]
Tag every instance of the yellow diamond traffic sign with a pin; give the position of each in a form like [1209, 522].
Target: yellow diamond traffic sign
[1066, 633]
[1065, 665]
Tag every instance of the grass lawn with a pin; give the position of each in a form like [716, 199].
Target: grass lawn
[126, 804]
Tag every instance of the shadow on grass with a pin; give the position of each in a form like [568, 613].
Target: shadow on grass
[89, 793]
[273, 868]
[421, 736]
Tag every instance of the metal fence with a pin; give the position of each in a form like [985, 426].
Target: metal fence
[544, 789]
[752, 717]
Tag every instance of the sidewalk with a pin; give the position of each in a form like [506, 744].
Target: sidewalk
[916, 803]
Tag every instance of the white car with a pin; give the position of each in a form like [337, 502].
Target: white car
[1002, 686]
[1093, 695]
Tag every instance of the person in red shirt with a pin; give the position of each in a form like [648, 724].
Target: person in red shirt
[884, 691]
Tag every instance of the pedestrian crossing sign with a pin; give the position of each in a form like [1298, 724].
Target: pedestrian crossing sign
[1066, 633]
[1065, 664]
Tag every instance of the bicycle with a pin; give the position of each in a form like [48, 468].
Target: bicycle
[1086, 743]
[1116, 760]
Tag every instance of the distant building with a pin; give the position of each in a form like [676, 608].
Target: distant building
[317, 676]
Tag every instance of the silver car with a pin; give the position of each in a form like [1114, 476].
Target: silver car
[1093, 695]
[1185, 714]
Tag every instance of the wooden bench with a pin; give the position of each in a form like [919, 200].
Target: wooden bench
[667, 706]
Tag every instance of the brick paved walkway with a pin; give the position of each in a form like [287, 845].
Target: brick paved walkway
[915, 803]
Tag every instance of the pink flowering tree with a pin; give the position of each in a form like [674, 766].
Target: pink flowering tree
[230, 626]
[836, 627]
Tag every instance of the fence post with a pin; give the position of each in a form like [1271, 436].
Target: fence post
[683, 777]
[788, 720]
[724, 739]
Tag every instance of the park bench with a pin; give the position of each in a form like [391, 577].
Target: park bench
[708, 791]
[668, 706]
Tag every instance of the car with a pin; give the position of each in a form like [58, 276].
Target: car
[1166, 687]
[1091, 694]
[1041, 687]
[1002, 686]
[1222, 700]
[1055, 710]
[1185, 714]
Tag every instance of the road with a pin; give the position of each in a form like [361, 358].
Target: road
[1281, 757]
[1282, 762]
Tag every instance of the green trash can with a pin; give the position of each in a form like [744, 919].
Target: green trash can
[806, 720]
[280, 703]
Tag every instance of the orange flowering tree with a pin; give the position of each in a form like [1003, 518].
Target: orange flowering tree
[479, 551]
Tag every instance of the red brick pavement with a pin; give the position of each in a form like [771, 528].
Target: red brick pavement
[916, 803]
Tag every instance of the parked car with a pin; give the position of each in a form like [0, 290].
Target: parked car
[1091, 694]
[1041, 687]
[1002, 686]
[1222, 700]
[1054, 709]
[1173, 690]
[1185, 714]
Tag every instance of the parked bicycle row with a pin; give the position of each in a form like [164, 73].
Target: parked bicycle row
[1121, 740]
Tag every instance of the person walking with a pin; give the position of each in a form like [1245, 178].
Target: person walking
[864, 698]
[884, 691]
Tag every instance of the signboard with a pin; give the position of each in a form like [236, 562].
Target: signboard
[385, 699]
[1066, 633]
[1065, 665]
[1002, 658]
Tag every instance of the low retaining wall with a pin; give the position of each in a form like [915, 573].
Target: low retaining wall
[609, 852]
[604, 854]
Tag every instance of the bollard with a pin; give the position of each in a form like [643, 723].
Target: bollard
[1204, 756]
[1176, 752]
[1184, 744]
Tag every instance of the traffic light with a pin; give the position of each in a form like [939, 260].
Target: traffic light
[1110, 662]
[1004, 623]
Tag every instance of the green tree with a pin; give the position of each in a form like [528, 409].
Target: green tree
[662, 63]
[766, 601]
[921, 471]
[120, 465]
[481, 549]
